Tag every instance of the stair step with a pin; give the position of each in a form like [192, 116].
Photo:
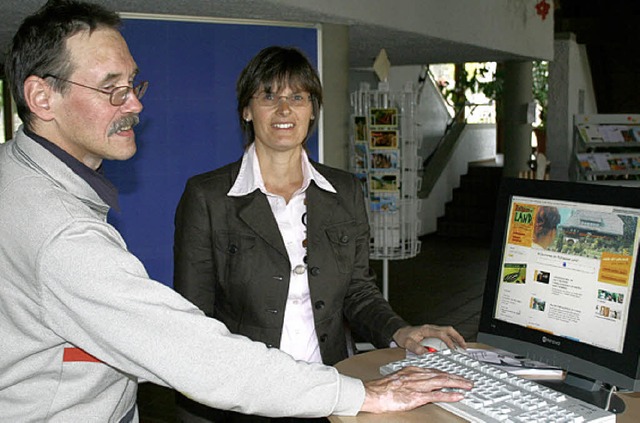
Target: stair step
[476, 230]
[474, 198]
[487, 182]
[471, 212]
[485, 171]
[457, 212]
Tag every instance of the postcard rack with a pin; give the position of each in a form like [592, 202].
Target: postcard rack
[384, 155]
[606, 149]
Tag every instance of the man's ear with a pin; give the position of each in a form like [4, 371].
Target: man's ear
[38, 95]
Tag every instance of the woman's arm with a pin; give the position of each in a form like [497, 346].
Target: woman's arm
[193, 258]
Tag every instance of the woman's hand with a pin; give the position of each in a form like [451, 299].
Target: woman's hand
[409, 337]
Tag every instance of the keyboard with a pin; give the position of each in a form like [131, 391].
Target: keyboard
[498, 396]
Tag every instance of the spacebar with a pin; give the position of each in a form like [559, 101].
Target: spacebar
[466, 412]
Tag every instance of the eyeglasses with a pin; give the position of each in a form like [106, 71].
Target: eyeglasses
[266, 99]
[117, 96]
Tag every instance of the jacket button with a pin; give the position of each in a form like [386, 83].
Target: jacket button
[319, 305]
[315, 271]
[324, 337]
[232, 249]
[344, 239]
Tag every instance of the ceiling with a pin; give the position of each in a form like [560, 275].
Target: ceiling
[607, 28]
[364, 40]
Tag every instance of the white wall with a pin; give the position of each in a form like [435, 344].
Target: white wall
[505, 25]
[570, 93]
[511, 26]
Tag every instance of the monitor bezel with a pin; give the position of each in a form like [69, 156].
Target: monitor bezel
[622, 368]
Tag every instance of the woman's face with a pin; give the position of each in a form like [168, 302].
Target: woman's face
[280, 119]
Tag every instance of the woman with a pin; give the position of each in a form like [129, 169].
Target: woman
[276, 245]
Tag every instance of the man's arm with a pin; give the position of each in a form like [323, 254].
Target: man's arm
[109, 307]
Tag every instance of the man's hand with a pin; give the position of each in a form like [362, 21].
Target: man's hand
[409, 337]
[411, 387]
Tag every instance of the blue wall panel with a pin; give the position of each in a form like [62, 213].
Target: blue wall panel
[189, 123]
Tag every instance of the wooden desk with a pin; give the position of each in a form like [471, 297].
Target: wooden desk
[365, 367]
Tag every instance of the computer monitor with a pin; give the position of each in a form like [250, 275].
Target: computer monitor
[563, 281]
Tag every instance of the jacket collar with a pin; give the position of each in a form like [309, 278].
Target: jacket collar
[35, 156]
[255, 211]
[250, 179]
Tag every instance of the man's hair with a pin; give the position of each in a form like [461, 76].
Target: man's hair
[271, 70]
[39, 46]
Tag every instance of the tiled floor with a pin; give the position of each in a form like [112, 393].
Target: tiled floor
[442, 285]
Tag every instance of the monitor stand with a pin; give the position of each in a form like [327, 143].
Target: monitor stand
[587, 390]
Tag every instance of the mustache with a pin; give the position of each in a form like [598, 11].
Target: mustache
[125, 122]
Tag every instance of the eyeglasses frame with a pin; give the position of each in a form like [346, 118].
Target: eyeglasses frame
[138, 90]
[309, 100]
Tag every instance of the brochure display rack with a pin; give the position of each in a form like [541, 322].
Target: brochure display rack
[384, 155]
[606, 149]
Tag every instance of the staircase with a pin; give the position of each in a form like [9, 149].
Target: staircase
[471, 211]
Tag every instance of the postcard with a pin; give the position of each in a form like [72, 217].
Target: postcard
[384, 118]
[384, 181]
[384, 139]
[360, 128]
[384, 202]
[360, 154]
[364, 179]
[384, 159]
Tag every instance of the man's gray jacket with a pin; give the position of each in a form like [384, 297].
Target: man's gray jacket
[81, 322]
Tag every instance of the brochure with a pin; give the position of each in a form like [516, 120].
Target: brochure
[516, 364]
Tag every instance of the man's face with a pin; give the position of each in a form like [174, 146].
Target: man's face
[86, 124]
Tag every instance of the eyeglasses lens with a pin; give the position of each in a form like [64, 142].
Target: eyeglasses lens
[294, 100]
[120, 95]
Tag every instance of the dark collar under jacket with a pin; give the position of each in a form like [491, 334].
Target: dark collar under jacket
[96, 180]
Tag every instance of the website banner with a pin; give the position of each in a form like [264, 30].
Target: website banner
[567, 270]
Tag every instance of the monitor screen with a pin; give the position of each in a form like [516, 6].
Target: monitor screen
[562, 284]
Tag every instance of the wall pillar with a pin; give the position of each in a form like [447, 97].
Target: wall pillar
[335, 85]
[517, 96]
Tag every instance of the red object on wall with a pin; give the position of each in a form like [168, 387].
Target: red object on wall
[542, 9]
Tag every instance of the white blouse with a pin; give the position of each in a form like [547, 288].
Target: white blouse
[299, 338]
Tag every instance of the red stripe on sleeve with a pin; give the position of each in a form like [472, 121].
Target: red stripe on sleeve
[76, 354]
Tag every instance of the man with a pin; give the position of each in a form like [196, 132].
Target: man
[80, 320]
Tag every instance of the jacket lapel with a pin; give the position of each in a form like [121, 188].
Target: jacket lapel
[321, 206]
[254, 210]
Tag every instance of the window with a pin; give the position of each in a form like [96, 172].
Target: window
[15, 121]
